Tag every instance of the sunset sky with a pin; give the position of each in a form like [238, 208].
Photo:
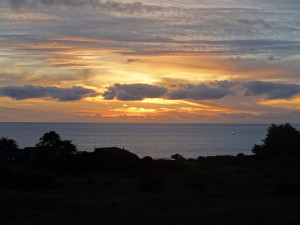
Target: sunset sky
[181, 61]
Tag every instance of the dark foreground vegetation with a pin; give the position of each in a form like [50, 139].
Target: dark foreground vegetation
[54, 183]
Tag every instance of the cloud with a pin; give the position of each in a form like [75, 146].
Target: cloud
[133, 92]
[212, 90]
[271, 57]
[264, 118]
[136, 92]
[133, 60]
[272, 90]
[203, 91]
[61, 94]
[154, 29]
[259, 22]
[110, 6]
[177, 3]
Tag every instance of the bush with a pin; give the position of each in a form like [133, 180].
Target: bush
[8, 144]
[147, 159]
[280, 140]
[178, 157]
[52, 140]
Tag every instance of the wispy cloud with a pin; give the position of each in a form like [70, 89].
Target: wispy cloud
[110, 6]
[140, 28]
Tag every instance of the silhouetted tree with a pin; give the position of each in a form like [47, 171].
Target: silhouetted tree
[280, 139]
[53, 140]
[147, 159]
[178, 157]
[68, 146]
[8, 144]
[50, 139]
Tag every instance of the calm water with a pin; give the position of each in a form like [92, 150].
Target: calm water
[155, 140]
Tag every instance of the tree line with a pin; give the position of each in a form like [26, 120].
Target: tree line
[50, 140]
[280, 140]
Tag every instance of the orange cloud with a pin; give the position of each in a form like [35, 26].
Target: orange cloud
[292, 104]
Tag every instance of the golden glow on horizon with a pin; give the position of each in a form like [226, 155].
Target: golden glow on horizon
[293, 103]
[135, 110]
[65, 63]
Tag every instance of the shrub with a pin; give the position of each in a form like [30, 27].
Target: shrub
[178, 157]
[280, 140]
[147, 159]
[52, 140]
[8, 144]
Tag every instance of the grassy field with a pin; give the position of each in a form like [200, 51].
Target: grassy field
[215, 190]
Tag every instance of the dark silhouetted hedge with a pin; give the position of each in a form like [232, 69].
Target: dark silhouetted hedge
[280, 140]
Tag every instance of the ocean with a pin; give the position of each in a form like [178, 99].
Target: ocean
[155, 140]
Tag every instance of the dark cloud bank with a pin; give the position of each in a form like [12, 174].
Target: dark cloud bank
[119, 7]
[61, 94]
[134, 92]
[211, 90]
[137, 92]
[272, 90]
[203, 91]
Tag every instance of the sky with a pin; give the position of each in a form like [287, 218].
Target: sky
[154, 61]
